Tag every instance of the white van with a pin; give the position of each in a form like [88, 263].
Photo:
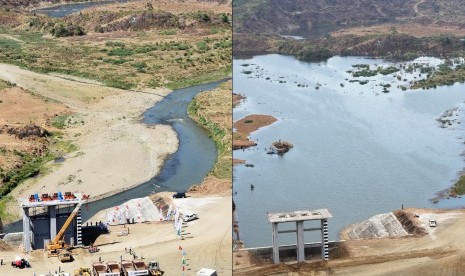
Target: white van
[206, 272]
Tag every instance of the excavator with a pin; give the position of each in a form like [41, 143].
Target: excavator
[57, 246]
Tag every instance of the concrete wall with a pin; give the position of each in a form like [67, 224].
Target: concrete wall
[40, 229]
[289, 252]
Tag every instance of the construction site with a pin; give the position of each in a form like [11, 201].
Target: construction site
[144, 236]
[404, 242]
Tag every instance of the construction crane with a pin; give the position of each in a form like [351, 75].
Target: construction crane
[57, 246]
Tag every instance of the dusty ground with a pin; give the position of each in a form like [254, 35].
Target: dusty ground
[19, 108]
[439, 253]
[207, 242]
[116, 151]
[247, 125]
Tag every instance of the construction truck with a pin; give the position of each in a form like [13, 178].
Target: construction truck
[64, 255]
[134, 268]
[82, 272]
[154, 269]
[57, 246]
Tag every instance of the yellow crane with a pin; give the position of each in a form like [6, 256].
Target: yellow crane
[57, 246]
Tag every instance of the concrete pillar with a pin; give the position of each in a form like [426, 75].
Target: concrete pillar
[52, 212]
[274, 226]
[26, 230]
[324, 240]
[300, 241]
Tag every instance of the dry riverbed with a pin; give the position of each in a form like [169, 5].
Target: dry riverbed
[115, 150]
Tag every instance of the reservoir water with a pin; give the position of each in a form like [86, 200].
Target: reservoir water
[67, 9]
[357, 151]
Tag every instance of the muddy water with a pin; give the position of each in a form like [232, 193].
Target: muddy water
[67, 9]
[357, 151]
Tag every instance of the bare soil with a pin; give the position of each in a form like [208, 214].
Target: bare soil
[237, 99]
[247, 125]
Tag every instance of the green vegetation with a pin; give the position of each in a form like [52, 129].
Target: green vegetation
[4, 201]
[115, 61]
[120, 51]
[6, 84]
[387, 71]
[459, 186]
[212, 110]
[32, 165]
[60, 30]
[444, 76]
[168, 32]
[365, 73]
[361, 66]
[9, 44]
[60, 121]
[188, 81]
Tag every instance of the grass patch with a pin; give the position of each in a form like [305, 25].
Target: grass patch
[65, 146]
[121, 52]
[168, 32]
[4, 201]
[32, 166]
[60, 121]
[115, 61]
[11, 44]
[188, 81]
[114, 44]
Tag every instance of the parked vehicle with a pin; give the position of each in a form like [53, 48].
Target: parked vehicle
[206, 272]
[179, 195]
[432, 223]
[190, 217]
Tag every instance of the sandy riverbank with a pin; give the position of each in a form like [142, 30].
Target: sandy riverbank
[116, 150]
